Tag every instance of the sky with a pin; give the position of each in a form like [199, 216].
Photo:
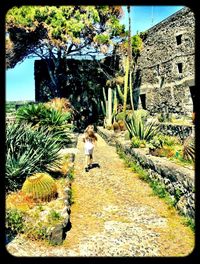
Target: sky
[20, 83]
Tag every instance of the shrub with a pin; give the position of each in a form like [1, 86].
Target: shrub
[135, 142]
[155, 143]
[169, 140]
[14, 221]
[28, 151]
[40, 187]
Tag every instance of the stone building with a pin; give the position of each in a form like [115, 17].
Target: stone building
[167, 65]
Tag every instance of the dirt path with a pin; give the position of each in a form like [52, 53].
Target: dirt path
[114, 214]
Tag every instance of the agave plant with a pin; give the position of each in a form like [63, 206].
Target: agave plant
[31, 113]
[40, 187]
[28, 151]
[52, 117]
[189, 148]
[138, 127]
[39, 114]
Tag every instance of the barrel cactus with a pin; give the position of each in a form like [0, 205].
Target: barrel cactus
[40, 187]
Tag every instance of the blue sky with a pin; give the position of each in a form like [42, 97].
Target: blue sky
[20, 83]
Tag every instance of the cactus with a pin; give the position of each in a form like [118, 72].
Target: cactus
[109, 107]
[40, 187]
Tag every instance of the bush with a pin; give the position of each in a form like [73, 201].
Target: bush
[169, 140]
[138, 143]
[28, 151]
[14, 221]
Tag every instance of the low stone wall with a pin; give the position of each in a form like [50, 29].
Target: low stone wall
[178, 180]
[57, 233]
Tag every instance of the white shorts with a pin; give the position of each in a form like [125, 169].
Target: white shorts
[89, 147]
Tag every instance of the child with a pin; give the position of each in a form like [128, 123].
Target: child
[89, 140]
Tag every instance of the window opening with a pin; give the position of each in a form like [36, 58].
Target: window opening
[178, 39]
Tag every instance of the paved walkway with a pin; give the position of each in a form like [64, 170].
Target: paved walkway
[114, 214]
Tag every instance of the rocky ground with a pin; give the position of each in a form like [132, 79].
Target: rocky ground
[114, 214]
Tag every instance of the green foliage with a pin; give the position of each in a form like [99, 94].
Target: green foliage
[14, 221]
[139, 143]
[168, 140]
[137, 127]
[56, 32]
[187, 221]
[36, 231]
[155, 143]
[135, 142]
[31, 113]
[120, 116]
[39, 114]
[46, 118]
[137, 45]
[28, 151]
[72, 24]
[40, 187]
[54, 215]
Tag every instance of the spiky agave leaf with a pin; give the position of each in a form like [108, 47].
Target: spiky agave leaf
[28, 151]
[189, 149]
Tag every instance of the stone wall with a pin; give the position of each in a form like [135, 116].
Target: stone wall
[178, 181]
[168, 47]
[181, 131]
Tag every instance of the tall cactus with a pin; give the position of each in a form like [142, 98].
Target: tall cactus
[40, 186]
[109, 106]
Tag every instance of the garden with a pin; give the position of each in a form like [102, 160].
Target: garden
[38, 175]
[40, 135]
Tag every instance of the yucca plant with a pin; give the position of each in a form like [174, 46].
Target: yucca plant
[189, 149]
[138, 127]
[28, 151]
[40, 187]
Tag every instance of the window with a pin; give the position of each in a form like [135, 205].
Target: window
[180, 67]
[178, 39]
[143, 101]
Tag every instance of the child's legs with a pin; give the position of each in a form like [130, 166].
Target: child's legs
[87, 160]
[91, 158]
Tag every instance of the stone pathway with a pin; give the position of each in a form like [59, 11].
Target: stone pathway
[114, 214]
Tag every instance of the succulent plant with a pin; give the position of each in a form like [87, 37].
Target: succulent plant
[189, 148]
[139, 127]
[40, 186]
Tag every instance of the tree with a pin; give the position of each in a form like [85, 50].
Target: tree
[54, 33]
